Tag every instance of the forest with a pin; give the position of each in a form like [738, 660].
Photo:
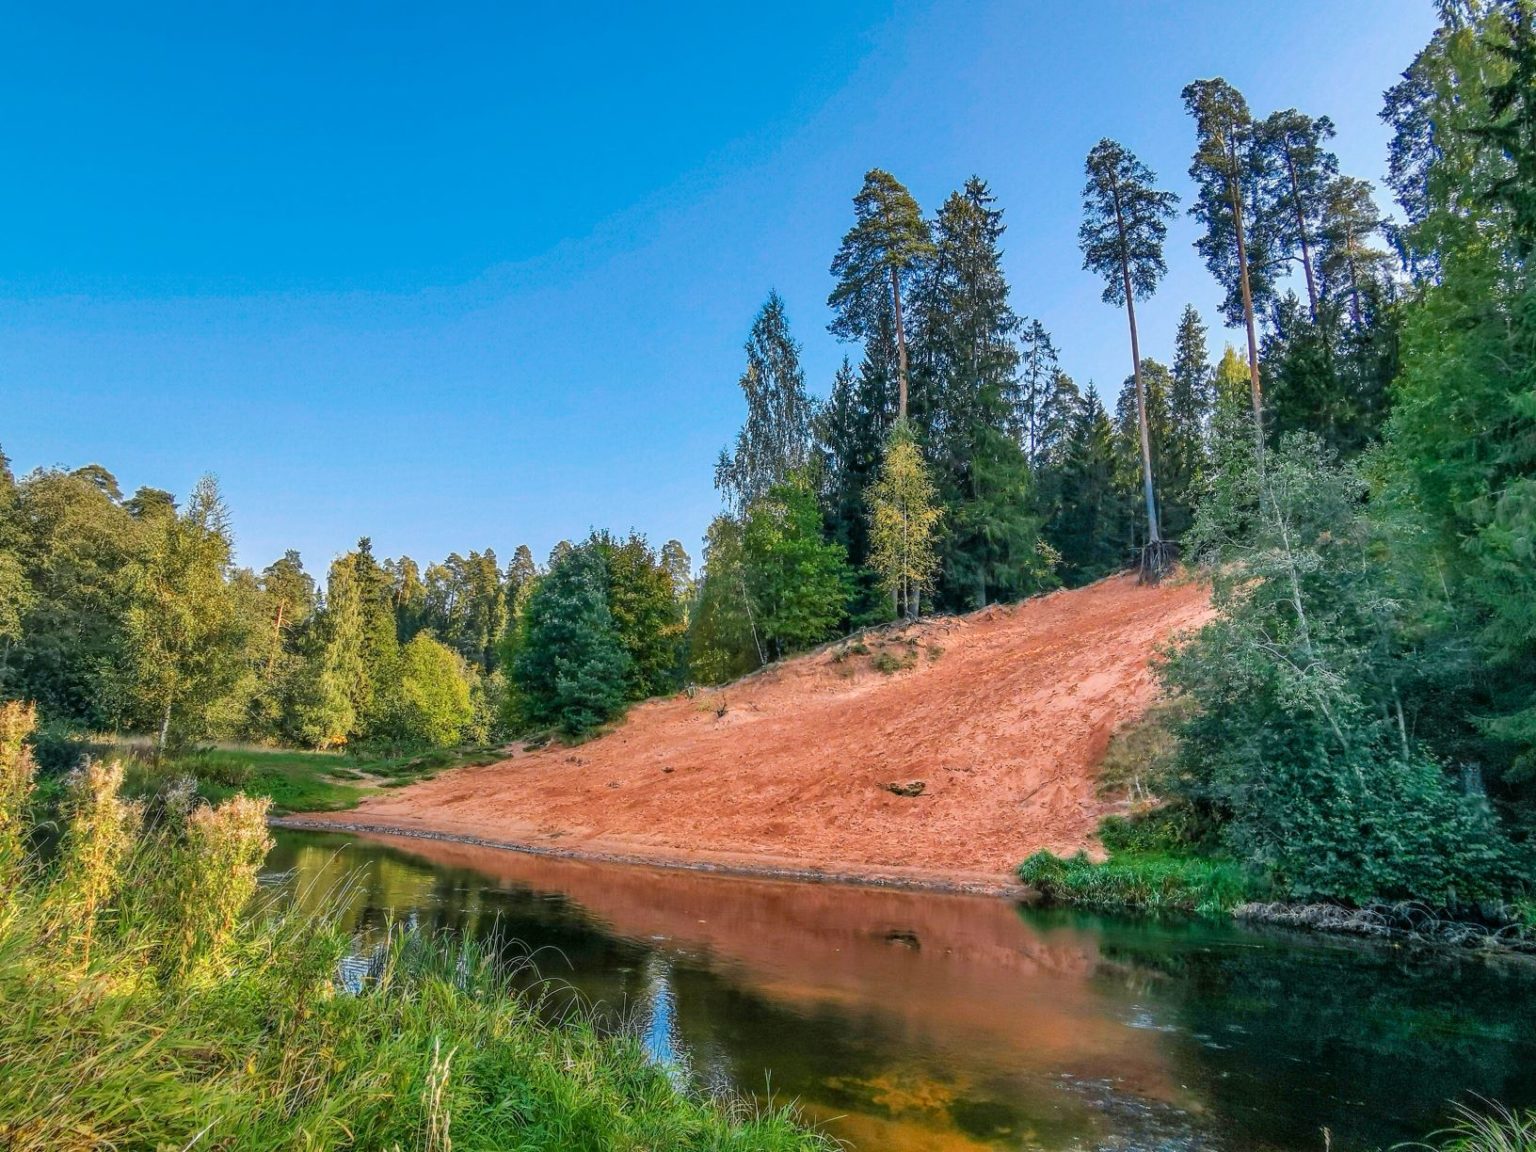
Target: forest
[1356, 478]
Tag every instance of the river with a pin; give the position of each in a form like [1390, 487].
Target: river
[907, 1020]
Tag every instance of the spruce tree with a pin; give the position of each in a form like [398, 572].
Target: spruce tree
[850, 429]
[1125, 221]
[571, 668]
[1088, 520]
[1040, 370]
[1189, 414]
[967, 405]
[1508, 130]
[776, 437]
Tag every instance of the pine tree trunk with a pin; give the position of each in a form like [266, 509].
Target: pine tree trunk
[901, 350]
[1153, 559]
[1253, 339]
[1301, 231]
[1354, 280]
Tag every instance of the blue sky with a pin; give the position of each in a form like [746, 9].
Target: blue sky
[468, 276]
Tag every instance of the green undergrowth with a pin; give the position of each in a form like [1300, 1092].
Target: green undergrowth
[293, 780]
[1140, 882]
[1161, 860]
[158, 998]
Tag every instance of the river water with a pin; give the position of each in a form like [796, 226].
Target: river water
[903, 1020]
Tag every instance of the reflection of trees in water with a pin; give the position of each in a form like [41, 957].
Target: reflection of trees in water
[1287, 1034]
[1274, 1034]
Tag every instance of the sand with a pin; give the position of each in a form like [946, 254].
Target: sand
[1003, 715]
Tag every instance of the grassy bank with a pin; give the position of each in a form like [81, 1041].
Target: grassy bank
[1139, 882]
[291, 779]
[150, 1006]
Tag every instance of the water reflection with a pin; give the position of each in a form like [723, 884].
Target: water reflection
[907, 1021]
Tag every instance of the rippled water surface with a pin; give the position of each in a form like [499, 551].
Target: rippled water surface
[915, 1021]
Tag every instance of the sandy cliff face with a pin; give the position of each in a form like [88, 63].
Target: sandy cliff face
[1002, 715]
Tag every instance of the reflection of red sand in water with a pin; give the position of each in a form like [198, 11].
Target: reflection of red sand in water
[1003, 714]
[964, 983]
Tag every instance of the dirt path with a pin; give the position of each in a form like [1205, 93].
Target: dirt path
[1002, 715]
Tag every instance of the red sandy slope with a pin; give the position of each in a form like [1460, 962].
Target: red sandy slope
[1002, 714]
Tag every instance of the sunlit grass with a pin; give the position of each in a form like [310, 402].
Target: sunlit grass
[294, 780]
[1151, 883]
[149, 1006]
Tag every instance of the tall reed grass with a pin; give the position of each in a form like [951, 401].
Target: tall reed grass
[153, 1000]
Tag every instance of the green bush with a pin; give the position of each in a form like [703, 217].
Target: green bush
[1292, 734]
[59, 748]
[1170, 829]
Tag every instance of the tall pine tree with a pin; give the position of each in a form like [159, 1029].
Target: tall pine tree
[881, 255]
[1125, 221]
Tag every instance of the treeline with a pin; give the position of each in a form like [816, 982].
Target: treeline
[1358, 481]
[1359, 723]
[125, 613]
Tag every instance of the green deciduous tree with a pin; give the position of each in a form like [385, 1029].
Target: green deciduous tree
[797, 583]
[723, 641]
[185, 636]
[904, 517]
[76, 543]
[437, 707]
[1296, 743]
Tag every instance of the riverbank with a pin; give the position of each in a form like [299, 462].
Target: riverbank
[936, 753]
[616, 852]
[1216, 888]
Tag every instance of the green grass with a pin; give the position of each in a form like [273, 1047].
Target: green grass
[156, 999]
[1498, 1129]
[1140, 882]
[293, 780]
